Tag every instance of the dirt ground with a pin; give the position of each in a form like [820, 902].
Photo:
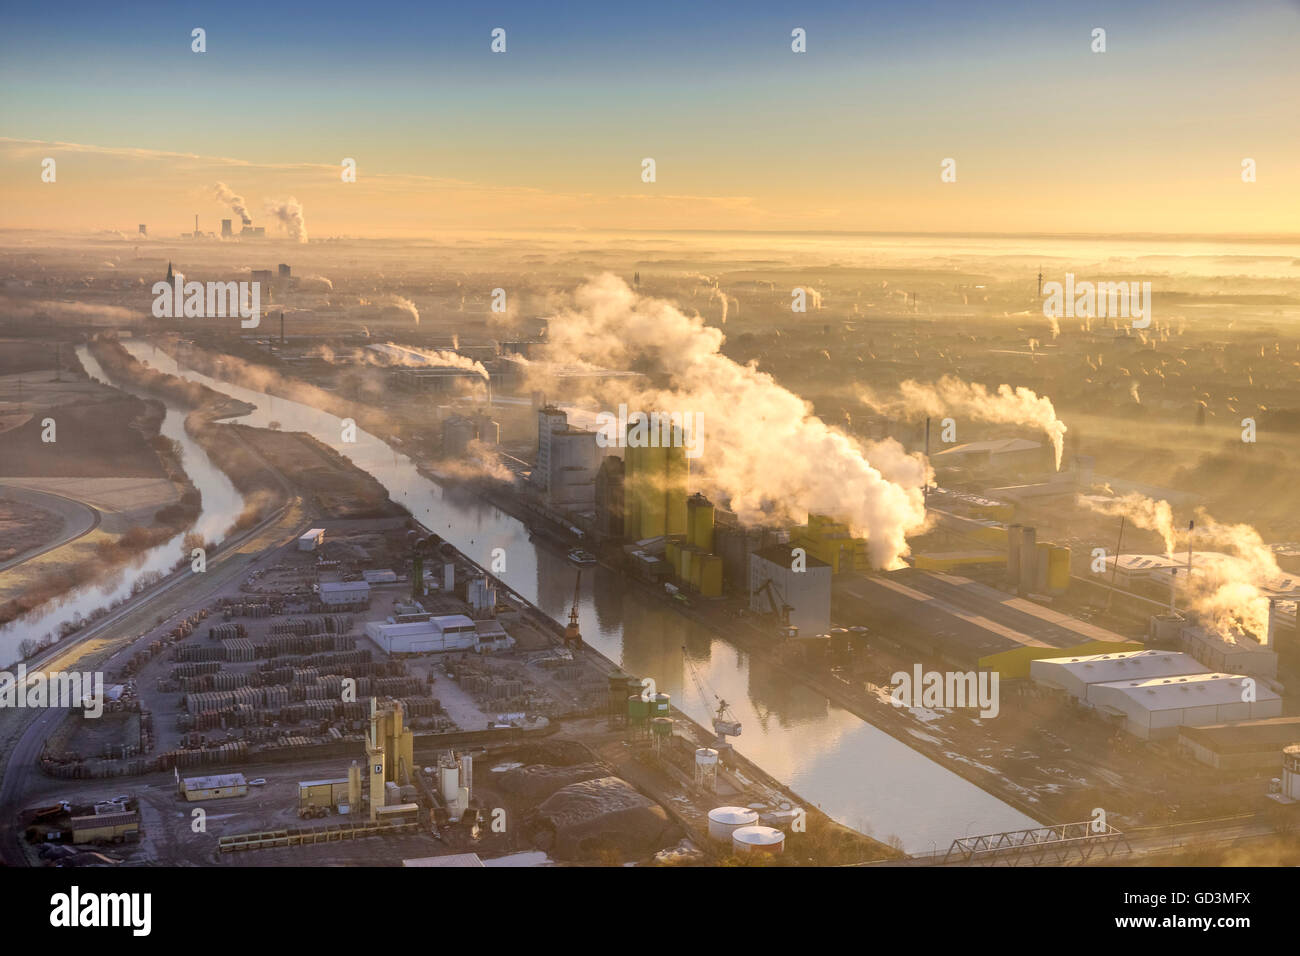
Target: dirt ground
[24, 527]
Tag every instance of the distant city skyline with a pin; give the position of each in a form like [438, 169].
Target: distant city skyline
[1048, 136]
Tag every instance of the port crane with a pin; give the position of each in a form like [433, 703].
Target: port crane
[725, 723]
[780, 611]
[572, 636]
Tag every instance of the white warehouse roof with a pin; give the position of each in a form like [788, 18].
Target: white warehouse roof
[1075, 674]
[1159, 706]
[1188, 690]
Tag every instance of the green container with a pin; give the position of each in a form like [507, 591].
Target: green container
[638, 710]
[659, 707]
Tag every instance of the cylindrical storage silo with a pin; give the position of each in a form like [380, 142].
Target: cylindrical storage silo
[1058, 579]
[758, 839]
[638, 710]
[1013, 554]
[1028, 562]
[724, 821]
[661, 726]
[449, 784]
[659, 707]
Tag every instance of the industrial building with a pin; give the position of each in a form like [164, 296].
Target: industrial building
[694, 564]
[609, 498]
[1157, 707]
[967, 622]
[311, 540]
[832, 543]
[800, 599]
[424, 633]
[1251, 745]
[215, 787]
[654, 490]
[344, 593]
[1076, 675]
[567, 461]
[105, 827]
[996, 456]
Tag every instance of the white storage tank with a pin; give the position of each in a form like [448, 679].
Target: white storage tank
[450, 784]
[724, 821]
[758, 839]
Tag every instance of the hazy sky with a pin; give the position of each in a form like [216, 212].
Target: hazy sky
[1047, 135]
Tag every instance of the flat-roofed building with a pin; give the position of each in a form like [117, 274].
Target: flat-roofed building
[1075, 675]
[106, 827]
[449, 632]
[1158, 707]
[806, 593]
[1249, 745]
[214, 787]
[344, 593]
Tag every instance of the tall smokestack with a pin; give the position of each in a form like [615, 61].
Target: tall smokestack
[282, 327]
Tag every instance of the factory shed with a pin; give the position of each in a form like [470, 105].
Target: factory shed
[1157, 708]
[1249, 745]
[775, 587]
[311, 540]
[216, 787]
[341, 593]
[966, 622]
[1075, 675]
[450, 632]
[105, 827]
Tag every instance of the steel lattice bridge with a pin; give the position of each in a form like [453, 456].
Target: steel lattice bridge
[1058, 845]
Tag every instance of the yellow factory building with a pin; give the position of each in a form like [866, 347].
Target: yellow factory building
[691, 555]
[833, 543]
[105, 827]
[654, 491]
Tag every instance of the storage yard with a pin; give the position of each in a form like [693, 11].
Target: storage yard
[280, 710]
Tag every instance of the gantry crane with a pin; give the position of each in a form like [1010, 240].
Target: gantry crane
[725, 723]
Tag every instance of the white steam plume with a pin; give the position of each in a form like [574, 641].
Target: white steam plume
[224, 194]
[289, 212]
[1007, 406]
[398, 302]
[748, 420]
[1146, 513]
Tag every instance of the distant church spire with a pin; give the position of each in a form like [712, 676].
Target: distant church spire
[169, 270]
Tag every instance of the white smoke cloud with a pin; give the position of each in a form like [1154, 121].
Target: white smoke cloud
[1145, 513]
[1232, 564]
[398, 302]
[1007, 406]
[314, 284]
[227, 196]
[289, 213]
[746, 417]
